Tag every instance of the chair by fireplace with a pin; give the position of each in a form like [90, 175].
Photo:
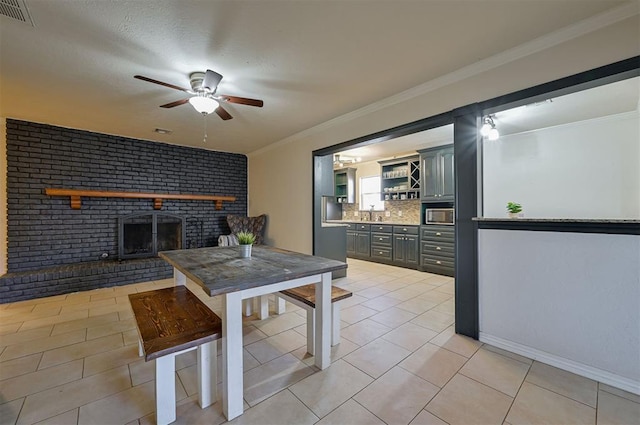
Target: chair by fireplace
[142, 235]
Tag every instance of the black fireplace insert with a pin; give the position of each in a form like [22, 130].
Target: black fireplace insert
[145, 234]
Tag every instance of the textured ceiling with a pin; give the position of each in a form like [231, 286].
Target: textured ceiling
[309, 60]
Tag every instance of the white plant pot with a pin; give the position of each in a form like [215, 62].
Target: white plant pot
[245, 251]
[516, 215]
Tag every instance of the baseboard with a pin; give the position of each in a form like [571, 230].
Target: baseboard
[590, 372]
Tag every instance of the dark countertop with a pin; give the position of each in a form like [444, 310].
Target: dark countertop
[559, 220]
[220, 269]
[344, 222]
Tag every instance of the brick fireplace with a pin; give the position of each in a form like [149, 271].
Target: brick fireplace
[54, 249]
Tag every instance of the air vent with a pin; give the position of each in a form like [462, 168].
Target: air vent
[17, 10]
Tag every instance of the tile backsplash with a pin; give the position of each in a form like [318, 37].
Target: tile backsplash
[402, 212]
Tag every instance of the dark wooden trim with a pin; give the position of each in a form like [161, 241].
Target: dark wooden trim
[391, 133]
[465, 153]
[77, 194]
[606, 74]
[565, 226]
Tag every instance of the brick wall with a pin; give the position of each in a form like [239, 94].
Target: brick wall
[44, 232]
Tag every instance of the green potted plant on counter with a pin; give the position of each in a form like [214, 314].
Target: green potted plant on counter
[246, 240]
[514, 209]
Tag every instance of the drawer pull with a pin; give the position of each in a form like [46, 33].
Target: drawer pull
[438, 262]
[404, 229]
[438, 248]
[438, 234]
[381, 239]
[380, 252]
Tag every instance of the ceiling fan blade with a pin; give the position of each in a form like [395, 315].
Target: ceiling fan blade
[240, 100]
[222, 113]
[211, 80]
[176, 103]
[151, 80]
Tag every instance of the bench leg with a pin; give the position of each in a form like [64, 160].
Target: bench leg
[280, 304]
[247, 307]
[335, 324]
[165, 390]
[263, 312]
[311, 330]
[207, 374]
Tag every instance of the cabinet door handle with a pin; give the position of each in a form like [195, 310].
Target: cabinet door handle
[438, 248]
[438, 234]
[438, 262]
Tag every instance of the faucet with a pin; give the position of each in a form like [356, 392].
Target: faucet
[371, 212]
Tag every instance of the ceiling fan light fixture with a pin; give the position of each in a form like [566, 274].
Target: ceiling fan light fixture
[204, 105]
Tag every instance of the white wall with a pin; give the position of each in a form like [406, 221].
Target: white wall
[569, 299]
[587, 169]
[280, 176]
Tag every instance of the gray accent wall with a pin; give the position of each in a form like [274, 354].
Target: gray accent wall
[44, 233]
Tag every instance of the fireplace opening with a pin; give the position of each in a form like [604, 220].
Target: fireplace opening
[145, 234]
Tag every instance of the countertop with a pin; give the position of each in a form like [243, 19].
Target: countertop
[559, 220]
[344, 222]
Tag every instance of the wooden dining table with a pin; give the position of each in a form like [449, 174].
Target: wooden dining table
[221, 271]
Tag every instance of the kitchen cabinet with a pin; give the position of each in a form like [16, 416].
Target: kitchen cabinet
[437, 175]
[400, 178]
[405, 246]
[381, 242]
[345, 185]
[358, 240]
[437, 249]
[396, 245]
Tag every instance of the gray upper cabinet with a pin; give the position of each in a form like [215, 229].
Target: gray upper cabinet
[400, 178]
[437, 174]
[345, 185]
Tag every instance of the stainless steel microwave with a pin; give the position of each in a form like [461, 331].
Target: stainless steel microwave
[440, 216]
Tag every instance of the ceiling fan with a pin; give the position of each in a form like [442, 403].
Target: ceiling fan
[205, 98]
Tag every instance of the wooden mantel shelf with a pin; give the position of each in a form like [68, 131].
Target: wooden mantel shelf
[76, 194]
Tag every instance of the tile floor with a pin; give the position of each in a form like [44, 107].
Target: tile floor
[73, 359]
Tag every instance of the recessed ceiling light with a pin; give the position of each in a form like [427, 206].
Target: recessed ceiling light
[163, 131]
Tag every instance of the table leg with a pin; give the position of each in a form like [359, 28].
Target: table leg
[322, 346]
[179, 278]
[232, 386]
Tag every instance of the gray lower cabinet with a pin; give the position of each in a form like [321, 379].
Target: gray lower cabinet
[437, 249]
[351, 243]
[405, 246]
[358, 240]
[381, 242]
[384, 243]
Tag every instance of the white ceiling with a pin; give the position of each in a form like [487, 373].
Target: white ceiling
[610, 99]
[309, 60]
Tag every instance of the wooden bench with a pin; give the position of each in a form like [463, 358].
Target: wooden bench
[305, 297]
[172, 321]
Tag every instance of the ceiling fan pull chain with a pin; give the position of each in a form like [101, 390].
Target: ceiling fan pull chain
[204, 117]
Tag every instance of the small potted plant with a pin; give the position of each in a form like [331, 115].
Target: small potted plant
[246, 240]
[514, 209]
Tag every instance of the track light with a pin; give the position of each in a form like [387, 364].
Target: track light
[489, 129]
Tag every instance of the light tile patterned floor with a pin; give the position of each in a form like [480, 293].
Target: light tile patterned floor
[72, 359]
